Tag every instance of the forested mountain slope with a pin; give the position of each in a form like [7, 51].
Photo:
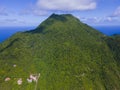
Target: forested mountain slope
[68, 54]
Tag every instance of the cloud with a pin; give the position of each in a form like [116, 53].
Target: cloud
[11, 21]
[66, 5]
[117, 12]
[46, 7]
[3, 11]
[97, 20]
[33, 11]
[91, 19]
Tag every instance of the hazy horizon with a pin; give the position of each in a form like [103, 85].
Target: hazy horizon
[6, 32]
[33, 12]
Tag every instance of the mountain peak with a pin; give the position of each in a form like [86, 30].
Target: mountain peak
[61, 15]
[63, 23]
[56, 20]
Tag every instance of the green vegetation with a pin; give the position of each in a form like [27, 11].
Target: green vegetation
[68, 54]
[114, 44]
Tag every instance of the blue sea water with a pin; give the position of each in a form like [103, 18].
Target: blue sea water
[108, 30]
[6, 32]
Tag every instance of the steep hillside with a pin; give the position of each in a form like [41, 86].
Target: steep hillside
[68, 54]
[114, 44]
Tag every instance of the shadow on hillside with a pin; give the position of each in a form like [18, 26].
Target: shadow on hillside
[9, 45]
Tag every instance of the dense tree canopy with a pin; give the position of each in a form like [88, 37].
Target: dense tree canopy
[68, 54]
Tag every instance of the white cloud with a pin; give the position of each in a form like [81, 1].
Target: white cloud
[3, 11]
[11, 20]
[91, 19]
[46, 7]
[39, 12]
[117, 12]
[97, 20]
[66, 5]
[109, 19]
[34, 11]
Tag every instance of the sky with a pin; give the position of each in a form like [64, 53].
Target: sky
[33, 12]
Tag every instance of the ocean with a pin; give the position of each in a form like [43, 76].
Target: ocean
[6, 32]
[108, 30]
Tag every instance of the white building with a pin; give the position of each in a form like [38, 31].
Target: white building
[19, 82]
[7, 79]
[33, 77]
[29, 80]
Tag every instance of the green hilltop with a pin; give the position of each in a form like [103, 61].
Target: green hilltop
[68, 54]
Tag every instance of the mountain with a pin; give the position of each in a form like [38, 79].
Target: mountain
[65, 53]
[114, 44]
